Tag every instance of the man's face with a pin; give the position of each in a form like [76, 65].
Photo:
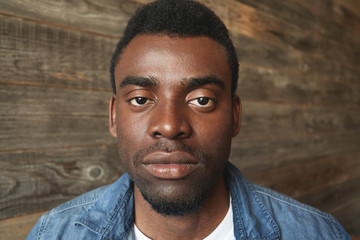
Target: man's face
[174, 117]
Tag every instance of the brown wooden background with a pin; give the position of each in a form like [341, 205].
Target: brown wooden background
[299, 82]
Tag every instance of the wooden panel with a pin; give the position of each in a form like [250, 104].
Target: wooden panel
[272, 134]
[262, 54]
[18, 227]
[40, 117]
[328, 183]
[342, 12]
[251, 155]
[350, 5]
[349, 212]
[33, 53]
[257, 83]
[108, 17]
[245, 20]
[32, 181]
[261, 119]
[334, 197]
[299, 178]
[304, 18]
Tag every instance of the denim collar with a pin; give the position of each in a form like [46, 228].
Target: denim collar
[111, 216]
[251, 219]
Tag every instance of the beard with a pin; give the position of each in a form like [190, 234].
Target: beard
[166, 199]
[181, 206]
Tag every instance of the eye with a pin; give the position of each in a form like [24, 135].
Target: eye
[139, 101]
[202, 102]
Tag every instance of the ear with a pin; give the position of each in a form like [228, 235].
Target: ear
[112, 116]
[237, 110]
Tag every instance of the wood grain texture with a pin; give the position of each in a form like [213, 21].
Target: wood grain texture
[18, 227]
[299, 178]
[261, 154]
[32, 181]
[40, 117]
[305, 18]
[343, 12]
[340, 200]
[329, 183]
[107, 17]
[39, 54]
[261, 54]
[278, 86]
[268, 27]
[260, 119]
[346, 214]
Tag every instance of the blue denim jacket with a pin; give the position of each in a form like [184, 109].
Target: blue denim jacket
[258, 213]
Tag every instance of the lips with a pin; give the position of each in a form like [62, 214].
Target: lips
[170, 165]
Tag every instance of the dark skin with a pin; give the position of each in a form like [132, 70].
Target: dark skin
[173, 93]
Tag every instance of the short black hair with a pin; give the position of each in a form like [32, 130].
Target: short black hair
[177, 18]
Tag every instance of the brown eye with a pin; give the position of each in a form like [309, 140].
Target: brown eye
[203, 101]
[139, 101]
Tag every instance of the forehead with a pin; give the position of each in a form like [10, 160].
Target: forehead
[173, 59]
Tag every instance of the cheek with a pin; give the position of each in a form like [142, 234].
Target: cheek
[130, 131]
[215, 133]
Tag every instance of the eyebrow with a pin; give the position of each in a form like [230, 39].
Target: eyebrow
[188, 82]
[139, 81]
[201, 81]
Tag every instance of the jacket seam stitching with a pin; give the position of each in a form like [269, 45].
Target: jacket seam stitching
[116, 211]
[73, 206]
[42, 227]
[294, 205]
[89, 228]
[269, 219]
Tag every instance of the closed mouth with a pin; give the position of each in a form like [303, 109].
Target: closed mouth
[170, 165]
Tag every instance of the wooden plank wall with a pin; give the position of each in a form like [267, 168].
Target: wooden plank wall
[299, 83]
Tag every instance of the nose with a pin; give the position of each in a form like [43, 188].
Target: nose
[169, 121]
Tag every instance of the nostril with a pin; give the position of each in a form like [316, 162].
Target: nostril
[157, 134]
[180, 134]
[169, 126]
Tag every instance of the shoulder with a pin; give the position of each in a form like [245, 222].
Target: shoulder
[294, 217]
[86, 216]
[273, 212]
[272, 197]
[78, 204]
[68, 212]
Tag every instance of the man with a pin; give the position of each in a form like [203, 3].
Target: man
[174, 112]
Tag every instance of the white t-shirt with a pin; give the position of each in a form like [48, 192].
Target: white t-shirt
[224, 231]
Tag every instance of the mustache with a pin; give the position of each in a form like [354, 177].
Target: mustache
[169, 147]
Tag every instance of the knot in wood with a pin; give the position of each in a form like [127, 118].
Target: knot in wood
[95, 172]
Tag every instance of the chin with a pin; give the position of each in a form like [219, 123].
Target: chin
[176, 198]
[171, 202]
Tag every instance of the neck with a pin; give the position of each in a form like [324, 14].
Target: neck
[196, 225]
